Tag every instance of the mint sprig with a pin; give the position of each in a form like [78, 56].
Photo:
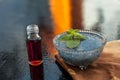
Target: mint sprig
[72, 43]
[73, 38]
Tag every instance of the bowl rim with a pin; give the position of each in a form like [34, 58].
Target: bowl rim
[104, 40]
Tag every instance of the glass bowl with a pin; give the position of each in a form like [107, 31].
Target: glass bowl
[81, 57]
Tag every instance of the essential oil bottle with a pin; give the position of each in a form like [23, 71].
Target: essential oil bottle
[34, 48]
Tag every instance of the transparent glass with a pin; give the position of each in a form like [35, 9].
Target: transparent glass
[81, 58]
[34, 50]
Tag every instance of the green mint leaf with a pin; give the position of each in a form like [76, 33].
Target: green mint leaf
[76, 30]
[72, 31]
[72, 43]
[68, 32]
[66, 37]
[79, 36]
[73, 38]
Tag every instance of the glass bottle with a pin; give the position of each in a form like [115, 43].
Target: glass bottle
[34, 52]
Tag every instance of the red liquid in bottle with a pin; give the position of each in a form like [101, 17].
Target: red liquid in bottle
[35, 59]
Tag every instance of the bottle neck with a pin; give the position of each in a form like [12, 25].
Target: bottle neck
[33, 36]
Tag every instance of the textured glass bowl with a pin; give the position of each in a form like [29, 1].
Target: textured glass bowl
[80, 58]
